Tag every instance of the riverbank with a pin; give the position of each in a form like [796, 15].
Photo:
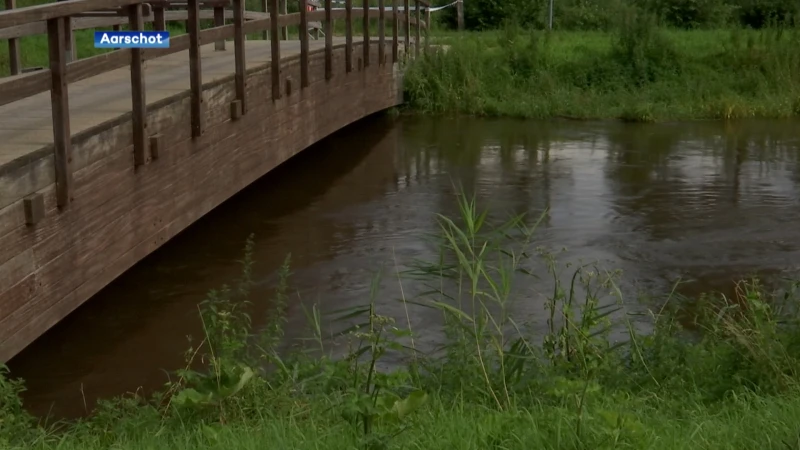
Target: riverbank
[639, 73]
[728, 380]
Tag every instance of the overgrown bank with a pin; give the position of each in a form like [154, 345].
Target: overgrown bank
[639, 72]
[730, 383]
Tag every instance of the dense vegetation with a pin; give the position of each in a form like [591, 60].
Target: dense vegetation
[727, 381]
[640, 72]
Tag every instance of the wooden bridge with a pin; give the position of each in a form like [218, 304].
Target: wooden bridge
[105, 158]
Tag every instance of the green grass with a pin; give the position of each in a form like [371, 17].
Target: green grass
[730, 381]
[637, 73]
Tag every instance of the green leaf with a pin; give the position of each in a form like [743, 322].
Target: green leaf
[410, 404]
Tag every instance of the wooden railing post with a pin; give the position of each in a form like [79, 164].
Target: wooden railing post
[366, 33]
[381, 32]
[14, 56]
[276, 49]
[159, 23]
[266, 10]
[395, 31]
[348, 33]
[417, 31]
[59, 100]
[195, 72]
[238, 53]
[219, 21]
[407, 25]
[284, 4]
[328, 39]
[303, 43]
[70, 48]
[138, 101]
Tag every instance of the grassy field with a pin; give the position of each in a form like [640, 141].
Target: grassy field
[730, 381]
[638, 73]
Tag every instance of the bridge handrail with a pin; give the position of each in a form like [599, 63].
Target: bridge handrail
[61, 73]
[38, 13]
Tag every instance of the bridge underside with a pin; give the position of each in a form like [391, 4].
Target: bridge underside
[119, 214]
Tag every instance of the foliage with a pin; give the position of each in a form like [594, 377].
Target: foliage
[641, 72]
[727, 378]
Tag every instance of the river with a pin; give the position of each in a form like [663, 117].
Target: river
[705, 202]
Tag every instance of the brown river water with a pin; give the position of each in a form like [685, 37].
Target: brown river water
[705, 202]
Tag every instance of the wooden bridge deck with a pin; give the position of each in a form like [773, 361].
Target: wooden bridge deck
[27, 126]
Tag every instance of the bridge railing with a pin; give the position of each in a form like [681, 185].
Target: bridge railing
[57, 19]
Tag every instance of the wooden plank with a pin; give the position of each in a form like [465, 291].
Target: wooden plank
[303, 43]
[381, 32]
[275, 50]
[348, 31]
[59, 99]
[195, 71]
[366, 45]
[328, 39]
[98, 64]
[22, 86]
[14, 57]
[138, 100]
[395, 31]
[21, 16]
[239, 54]
[219, 21]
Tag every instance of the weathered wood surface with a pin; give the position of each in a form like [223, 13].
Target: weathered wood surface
[118, 214]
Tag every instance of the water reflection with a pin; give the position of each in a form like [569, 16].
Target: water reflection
[704, 201]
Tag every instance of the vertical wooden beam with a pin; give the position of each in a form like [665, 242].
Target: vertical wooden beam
[381, 32]
[59, 100]
[159, 23]
[407, 25]
[328, 39]
[285, 10]
[348, 33]
[14, 56]
[395, 31]
[219, 21]
[195, 71]
[460, 14]
[366, 33]
[417, 31]
[266, 10]
[238, 53]
[276, 49]
[138, 101]
[303, 43]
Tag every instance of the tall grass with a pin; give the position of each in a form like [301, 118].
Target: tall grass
[639, 73]
[730, 381]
